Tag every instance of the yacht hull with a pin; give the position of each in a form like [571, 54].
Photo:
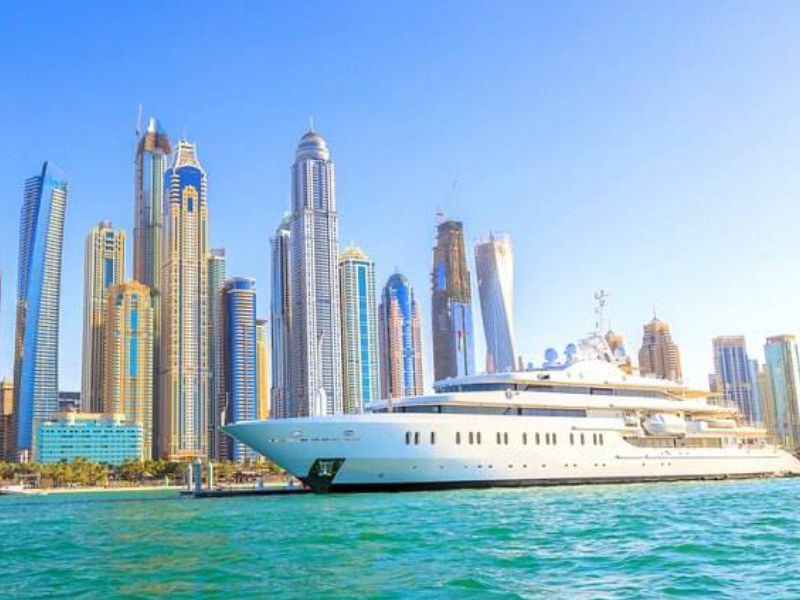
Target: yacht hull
[398, 452]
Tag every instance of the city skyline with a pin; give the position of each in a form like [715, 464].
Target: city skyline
[698, 170]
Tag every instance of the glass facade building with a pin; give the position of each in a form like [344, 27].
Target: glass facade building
[185, 396]
[400, 340]
[238, 361]
[104, 266]
[100, 438]
[451, 305]
[216, 280]
[282, 405]
[38, 297]
[735, 376]
[359, 330]
[783, 372]
[316, 346]
[494, 263]
[262, 371]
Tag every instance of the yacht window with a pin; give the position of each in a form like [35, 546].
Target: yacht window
[458, 437]
[433, 437]
[505, 439]
[547, 438]
[601, 439]
[471, 440]
[479, 437]
[571, 439]
[594, 439]
[498, 437]
[555, 440]
[525, 438]
[408, 438]
[538, 440]
[583, 440]
[553, 412]
[416, 437]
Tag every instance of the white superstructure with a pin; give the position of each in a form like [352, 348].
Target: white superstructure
[586, 421]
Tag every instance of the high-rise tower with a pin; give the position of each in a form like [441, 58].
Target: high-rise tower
[152, 153]
[237, 376]
[359, 330]
[282, 405]
[262, 369]
[38, 297]
[735, 377]
[494, 263]
[659, 356]
[104, 266]
[783, 370]
[451, 305]
[316, 319]
[400, 340]
[128, 380]
[216, 281]
[185, 394]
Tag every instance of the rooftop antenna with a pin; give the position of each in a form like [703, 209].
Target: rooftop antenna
[311, 123]
[139, 122]
[599, 311]
[439, 215]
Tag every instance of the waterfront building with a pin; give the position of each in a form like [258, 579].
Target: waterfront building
[152, 153]
[262, 369]
[282, 405]
[400, 340]
[451, 305]
[359, 330]
[735, 376]
[102, 438]
[316, 347]
[216, 280]
[767, 400]
[659, 355]
[494, 265]
[129, 358]
[784, 374]
[6, 420]
[237, 363]
[38, 298]
[104, 266]
[185, 394]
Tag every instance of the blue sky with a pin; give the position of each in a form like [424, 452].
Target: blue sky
[649, 148]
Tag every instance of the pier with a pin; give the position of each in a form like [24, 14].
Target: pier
[195, 489]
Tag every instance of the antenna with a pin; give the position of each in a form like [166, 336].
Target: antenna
[311, 123]
[139, 121]
[439, 215]
[599, 310]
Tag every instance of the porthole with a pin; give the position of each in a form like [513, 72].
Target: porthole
[408, 438]
[416, 438]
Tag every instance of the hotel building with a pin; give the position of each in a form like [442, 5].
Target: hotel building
[400, 340]
[659, 355]
[494, 264]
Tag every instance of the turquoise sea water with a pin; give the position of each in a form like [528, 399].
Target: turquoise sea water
[687, 540]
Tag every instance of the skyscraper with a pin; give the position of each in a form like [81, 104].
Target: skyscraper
[236, 378]
[281, 316]
[783, 370]
[359, 330]
[262, 369]
[316, 347]
[451, 306]
[216, 281]
[128, 379]
[767, 400]
[38, 298]
[104, 266]
[659, 356]
[148, 239]
[400, 340]
[7, 444]
[734, 376]
[185, 397]
[494, 263]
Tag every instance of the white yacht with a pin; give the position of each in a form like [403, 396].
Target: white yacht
[588, 420]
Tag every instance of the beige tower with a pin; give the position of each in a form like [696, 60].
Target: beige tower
[185, 370]
[104, 266]
[129, 358]
[659, 356]
[262, 368]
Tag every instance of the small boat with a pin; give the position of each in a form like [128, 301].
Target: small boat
[20, 490]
